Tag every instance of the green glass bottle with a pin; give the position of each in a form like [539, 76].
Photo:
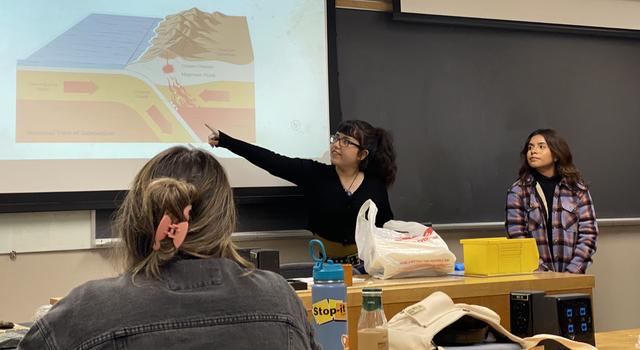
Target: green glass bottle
[372, 325]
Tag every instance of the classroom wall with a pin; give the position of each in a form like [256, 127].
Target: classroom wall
[32, 278]
[609, 14]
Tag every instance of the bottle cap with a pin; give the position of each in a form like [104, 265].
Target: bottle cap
[324, 271]
[371, 299]
[371, 290]
[328, 271]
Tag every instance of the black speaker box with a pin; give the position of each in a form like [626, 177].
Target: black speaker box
[567, 315]
[522, 308]
[245, 253]
[266, 259]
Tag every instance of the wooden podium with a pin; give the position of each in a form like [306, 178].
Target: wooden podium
[492, 292]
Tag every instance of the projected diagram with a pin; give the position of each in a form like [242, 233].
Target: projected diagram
[113, 78]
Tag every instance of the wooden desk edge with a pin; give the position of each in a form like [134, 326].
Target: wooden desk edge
[620, 339]
[416, 289]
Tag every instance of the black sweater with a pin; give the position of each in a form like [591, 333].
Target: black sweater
[548, 185]
[332, 213]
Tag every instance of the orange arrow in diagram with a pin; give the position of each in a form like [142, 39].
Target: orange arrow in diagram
[214, 95]
[159, 119]
[82, 87]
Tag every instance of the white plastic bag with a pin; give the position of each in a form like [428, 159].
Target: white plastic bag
[400, 249]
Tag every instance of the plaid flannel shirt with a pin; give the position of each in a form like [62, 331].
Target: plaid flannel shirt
[572, 217]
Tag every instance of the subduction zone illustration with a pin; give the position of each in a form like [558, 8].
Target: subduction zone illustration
[113, 78]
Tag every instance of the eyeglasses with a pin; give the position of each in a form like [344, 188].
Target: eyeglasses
[343, 141]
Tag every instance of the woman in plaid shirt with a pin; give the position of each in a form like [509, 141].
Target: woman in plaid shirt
[551, 203]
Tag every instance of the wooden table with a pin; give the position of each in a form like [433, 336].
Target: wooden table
[492, 292]
[617, 340]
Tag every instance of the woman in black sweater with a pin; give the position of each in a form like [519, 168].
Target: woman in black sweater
[362, 167]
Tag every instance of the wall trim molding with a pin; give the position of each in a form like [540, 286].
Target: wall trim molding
[605, 222]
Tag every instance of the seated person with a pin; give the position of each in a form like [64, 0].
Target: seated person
[184, 285]
[551, 203]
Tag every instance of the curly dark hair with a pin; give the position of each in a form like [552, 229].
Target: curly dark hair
[560, 150]
[381, 160]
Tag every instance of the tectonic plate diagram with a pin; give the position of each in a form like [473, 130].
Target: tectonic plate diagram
[112, 78]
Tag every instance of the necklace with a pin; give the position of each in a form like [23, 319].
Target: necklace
[348, 189]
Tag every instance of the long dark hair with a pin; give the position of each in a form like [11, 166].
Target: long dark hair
[381, 159]
[561, 152]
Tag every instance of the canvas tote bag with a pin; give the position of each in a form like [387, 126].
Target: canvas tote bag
[417, 325]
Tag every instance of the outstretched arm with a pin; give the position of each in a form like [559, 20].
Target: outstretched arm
[296, 170]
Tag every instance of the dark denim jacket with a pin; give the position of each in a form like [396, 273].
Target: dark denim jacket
[200, 304]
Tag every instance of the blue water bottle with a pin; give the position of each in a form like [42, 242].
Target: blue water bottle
[329, 301]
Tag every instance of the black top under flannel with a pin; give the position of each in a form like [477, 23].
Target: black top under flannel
[332, 213]
[548, 185]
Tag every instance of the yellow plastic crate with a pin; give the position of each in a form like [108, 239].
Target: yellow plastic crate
[499, 255]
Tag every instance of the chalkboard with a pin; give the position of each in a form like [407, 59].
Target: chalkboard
[460, 102]
[265, 209]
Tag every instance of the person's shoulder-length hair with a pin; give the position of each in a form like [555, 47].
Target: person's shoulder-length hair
[167, 184]
[561, 153]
